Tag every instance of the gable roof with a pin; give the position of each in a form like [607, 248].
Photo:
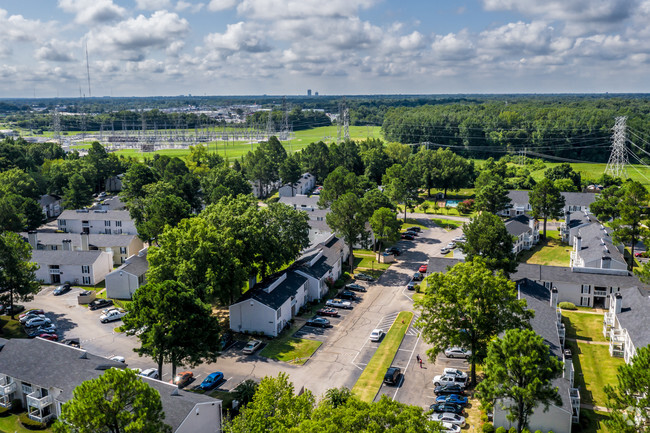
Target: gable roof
[597, 243]
[516, 226]
[61, 257]
[48, 199]
[135, 265]
[584, 199]
[95, 215]
[279, 295]
[566, 275]
[635, 315]
[97, 240]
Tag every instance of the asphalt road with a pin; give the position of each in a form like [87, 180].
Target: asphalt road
[338, 362]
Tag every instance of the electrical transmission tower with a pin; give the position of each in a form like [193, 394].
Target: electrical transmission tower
[339, 123]
[618, 158]
[346, 124]
[57, 125]
[284, 134]
[269, 125]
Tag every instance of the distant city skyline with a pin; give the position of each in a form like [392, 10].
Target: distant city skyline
[254, 47]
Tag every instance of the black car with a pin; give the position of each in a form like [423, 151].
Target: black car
[45, 329]
[74, 342]
[394, 250]
[408, 236]
[450, 388]
[61, 289]
[100, 303]
[411, 232]
[226, 341]
[364, 277]
[446, 407]
[318, 322]
[346, 294]
[414, 229]
[355, 287]
[417, 276]
[332, 312]
[392, 375]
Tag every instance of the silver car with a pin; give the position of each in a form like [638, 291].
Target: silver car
[251, 347]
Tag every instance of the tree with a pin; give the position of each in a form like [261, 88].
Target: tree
[629, 399]
[347, 155]
[546, 201]
[399, 153]
[290, 172]
[348, 219]
[337, 183]
[336, 397]
[136, 177]
[315, 159]
[116, 402]
[222, 181]
[245, 391]
[176, 325]
[467, 307]
[519, 369]
[385, 226]
[488, 238]
[274, 408]
[17, 272]
[376, 161]
[375, 199]
[564, 171]
[492, 197]
[78, 194]
[400, 185]
[444, 169]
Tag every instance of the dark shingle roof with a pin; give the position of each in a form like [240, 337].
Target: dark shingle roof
[318, 270]
[48, 199]
[584, 199]
[565, 275]
[61, 257]
[279, 295]
[593, 236]
[515, 227]
[635, 315]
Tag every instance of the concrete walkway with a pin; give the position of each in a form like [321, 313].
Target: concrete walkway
[601, 343]
[432, 215]
[598, 311]
[592, 407]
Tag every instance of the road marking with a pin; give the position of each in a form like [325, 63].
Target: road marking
[388, 318]
[408, 363]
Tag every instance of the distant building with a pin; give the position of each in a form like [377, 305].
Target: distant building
[51, 204]
[308, 92]
[573, 202]
[97, 222]
[305, 184]
[525, 231]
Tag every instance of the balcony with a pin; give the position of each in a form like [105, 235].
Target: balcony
[600, 292]
[39, 416]
[574, 394]
[7, 388]
[36, 401]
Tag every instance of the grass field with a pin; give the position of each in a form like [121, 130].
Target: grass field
[447, 224]
[288, 349]
[550, 252]
[11, 328]
[11, 424]
[595, 170]
[583, 326]
[594, 368]
[372, 377]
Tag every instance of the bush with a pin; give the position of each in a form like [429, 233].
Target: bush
[512, 430]
[416, 288]
[465, 206]
[16, 406]
[501, 430]
[488, 428]
[30, 424]
[4, 412]
[567, 306]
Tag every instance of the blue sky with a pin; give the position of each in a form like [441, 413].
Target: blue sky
[221, 47]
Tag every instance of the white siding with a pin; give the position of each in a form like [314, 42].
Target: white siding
[73, 273]
[252, 316]
[121, 285]
[204, 418]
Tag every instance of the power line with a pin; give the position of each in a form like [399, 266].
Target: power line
[618, 157]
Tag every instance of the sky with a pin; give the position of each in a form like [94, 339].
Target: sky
[284, 47]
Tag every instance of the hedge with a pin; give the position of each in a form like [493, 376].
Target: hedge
[568, 306]
[29, 423]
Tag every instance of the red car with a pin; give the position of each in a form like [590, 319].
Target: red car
[51, 337]
[640, 254]
[182, 378]
[333, 312]
[423, 269]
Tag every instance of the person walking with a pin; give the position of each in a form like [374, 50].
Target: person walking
[421, 363]
[418, 358]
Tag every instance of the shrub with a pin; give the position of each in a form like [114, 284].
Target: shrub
[416, 288]
[465, 206]
[501, 430]
[567, 306]
[488, 428]
[512, 430]
[16, 406]
[29, 423]
[4, 412]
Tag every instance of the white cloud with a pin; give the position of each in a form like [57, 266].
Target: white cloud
[519, 38]
[295, 9]
[453, 47]
[153, 5]
[56, 51]
[237, 37]
[93, 11]
[192, 7]
[221, 5]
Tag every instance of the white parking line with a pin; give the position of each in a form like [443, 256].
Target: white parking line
[408, 363]
[389, 318]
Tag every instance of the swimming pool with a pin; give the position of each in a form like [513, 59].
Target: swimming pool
[452, 203]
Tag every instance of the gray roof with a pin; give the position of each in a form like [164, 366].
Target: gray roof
[135, 265]
[441, 264]
[65, 368]
[544, 323]
[556, 274]
[518, 225]
[110, 203]
[299, 201]
[97, 240]
[318, 270]
[518, 197]
[48, 199]
[60, 257]
[579, 218]
[597, 243]
[113, 215]
[584, 199]
[279, 295]
[635, 315]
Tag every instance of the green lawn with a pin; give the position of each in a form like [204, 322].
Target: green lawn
[594, 368]
[11, 424]
[288, 349]
[447, 224]
[11, 328]
[583, 326]
[550, 252]
[372, 377]
[591, 422]
[595, 170]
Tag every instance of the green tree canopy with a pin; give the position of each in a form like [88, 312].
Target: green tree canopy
[467, 307]
[401, 185]
[78, 194]
[17, 271]
[338, 182]
[488, 238]
[385, 226]
[348, 219]
[519, 370]
[290, 171]
[492, 197]
[546, 201]
[222, 181]
[116, 402]
[564, 171]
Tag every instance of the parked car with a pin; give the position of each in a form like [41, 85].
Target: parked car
[112, 316]
[392, 375]
[332, 312]
[452, 398]
[450, 388]
[442, 379]
[641, 254]
[211, 381]
[408, 236]
[376, 334]
[411, 232]
[446, 407]
[150, 372]
[394, 250]
[339, 303]
[460, 238]
[51, 337]
[417, 276]
[226, 341]
[451, 245]
[45, 329]
[318, 322]
[118, 358]
[363, 277]
[34, 312]
[109, 309]
[37, 321]
[356, 287]
[445, 250]
[451, 418]
[8, 311]
[73, 342]
[411, 285]
[448, 427]
[346, 294]
[251, 347]
[182, 379]
[61, 289]
[415, 229]
[423, 269]
[100, 303]
[457, 352]
[455, 372]
[26, 318]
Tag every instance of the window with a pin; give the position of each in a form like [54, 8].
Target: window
[54, 266]
[85, 269]
[117, 231]
[118, 223]
[86, 281]
[279, 312]
[27, 388]
[585, 301]
[586, 288]
[107, 223]
[122, 250]
[141, 279]
[54, 247]
[62, 222]
[107, 231]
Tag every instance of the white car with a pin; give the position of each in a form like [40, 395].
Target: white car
[451, 418]
[112, 316]
[444, 379]
[455, 372]
[376, 334]
[339, 303]
[118, 359]
[150, 372]
[107, 310]
[37, 321]
[459, 238]
[445, 250]
[450, 428]
[451, 245]
[457, 352]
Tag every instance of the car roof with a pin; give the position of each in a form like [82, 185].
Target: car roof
[215, 374]
[377, 330]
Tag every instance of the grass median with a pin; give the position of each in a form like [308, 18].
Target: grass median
[372, 377]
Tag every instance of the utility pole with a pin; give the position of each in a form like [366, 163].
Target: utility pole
[618, 157]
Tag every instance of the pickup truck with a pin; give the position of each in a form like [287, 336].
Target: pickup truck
[112, 316]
